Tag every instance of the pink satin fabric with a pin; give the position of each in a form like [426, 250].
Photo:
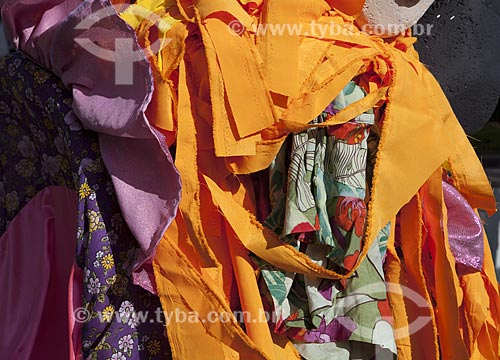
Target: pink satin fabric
[39, 280]
[465, 231]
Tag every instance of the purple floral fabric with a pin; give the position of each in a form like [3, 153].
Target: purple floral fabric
[43, 143]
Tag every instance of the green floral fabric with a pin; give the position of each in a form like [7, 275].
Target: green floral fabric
[317, 192]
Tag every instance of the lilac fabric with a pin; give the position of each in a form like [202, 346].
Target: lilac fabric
[465, 232]
[146, 181]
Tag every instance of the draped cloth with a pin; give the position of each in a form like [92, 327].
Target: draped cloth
[229, 100]
[40, 280]
[115, 111]
[58, 205]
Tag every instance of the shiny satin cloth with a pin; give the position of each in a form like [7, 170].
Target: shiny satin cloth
[465, 231]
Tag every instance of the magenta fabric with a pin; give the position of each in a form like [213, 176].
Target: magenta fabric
[465, 231]
[74, 303]
[39, 280]
[144, 176]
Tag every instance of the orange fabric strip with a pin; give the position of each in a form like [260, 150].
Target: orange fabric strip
[281, 17]
[424, 342]
[448, 292]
